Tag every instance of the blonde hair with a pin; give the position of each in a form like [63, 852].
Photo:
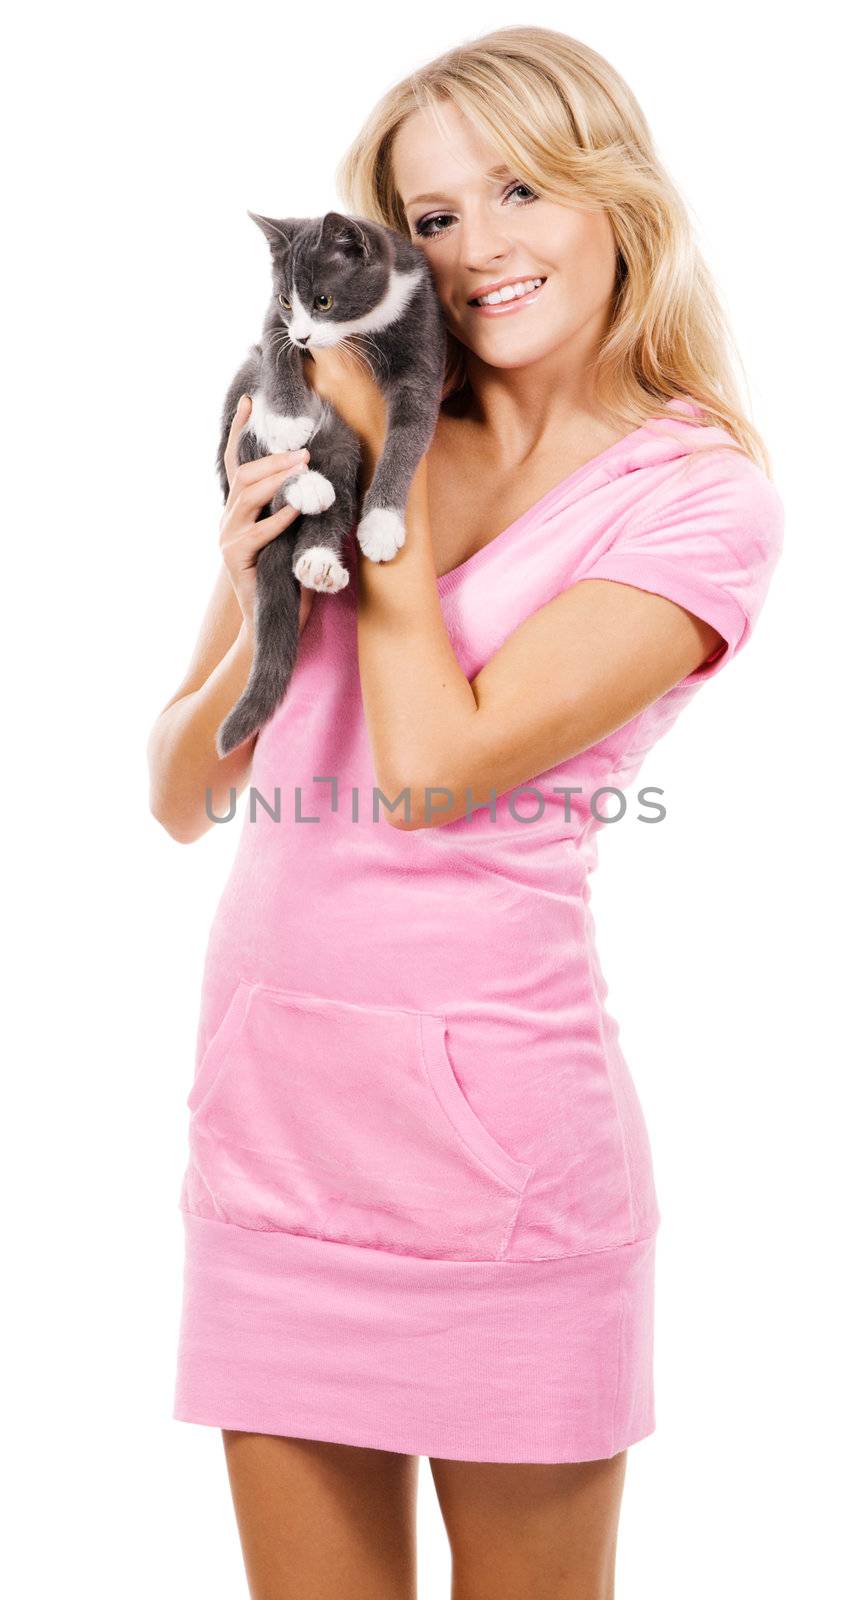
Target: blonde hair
[571, 127]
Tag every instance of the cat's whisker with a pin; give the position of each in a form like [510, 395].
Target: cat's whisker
[357, 342]
[364, 338]
[342, 354]
[280, 344]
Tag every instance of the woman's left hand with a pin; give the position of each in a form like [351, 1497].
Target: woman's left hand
[338, 374]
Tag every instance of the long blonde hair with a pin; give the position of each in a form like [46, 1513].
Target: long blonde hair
[571, 127]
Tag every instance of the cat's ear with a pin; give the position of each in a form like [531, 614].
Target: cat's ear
[278, 233]
[345, 233]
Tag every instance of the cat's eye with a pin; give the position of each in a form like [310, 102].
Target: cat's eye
[323, 302]
[284, 302]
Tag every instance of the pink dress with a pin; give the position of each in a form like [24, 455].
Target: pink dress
[419, 1205]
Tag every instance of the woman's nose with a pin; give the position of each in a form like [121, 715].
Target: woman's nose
[483, 243]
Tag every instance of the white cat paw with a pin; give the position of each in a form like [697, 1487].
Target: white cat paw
[319, 569]
[298, 430]
[276, 431]
[380, 534]
[310, 493]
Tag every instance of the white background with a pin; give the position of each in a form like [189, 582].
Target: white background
[729, 935]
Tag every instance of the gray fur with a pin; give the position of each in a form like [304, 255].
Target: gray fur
[362, 265]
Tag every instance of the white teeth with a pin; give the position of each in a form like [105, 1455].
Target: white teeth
[510, 291]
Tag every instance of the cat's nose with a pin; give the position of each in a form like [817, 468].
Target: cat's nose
[303, 338]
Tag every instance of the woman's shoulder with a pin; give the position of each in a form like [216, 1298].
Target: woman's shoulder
[703, 525]
[704, 473]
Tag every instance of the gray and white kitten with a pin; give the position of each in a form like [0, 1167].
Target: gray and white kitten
[336, 279]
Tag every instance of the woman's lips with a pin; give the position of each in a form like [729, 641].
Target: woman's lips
[506, 306]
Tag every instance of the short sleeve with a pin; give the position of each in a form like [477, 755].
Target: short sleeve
[709, 540]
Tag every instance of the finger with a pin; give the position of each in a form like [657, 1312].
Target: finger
[240, 418]
[262, 532]
[250, 496]
[250, 471]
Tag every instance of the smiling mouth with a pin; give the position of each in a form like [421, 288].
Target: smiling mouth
[508, 300]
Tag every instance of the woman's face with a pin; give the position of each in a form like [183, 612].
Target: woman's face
[477, 224]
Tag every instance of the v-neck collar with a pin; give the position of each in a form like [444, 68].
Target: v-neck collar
[449, 580]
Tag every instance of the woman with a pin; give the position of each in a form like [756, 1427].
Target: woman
[419, 1209]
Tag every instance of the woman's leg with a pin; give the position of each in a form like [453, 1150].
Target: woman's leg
[323, 1521]
[549, 1532]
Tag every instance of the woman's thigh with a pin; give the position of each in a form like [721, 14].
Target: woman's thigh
[323, 1521]
[545, 1531]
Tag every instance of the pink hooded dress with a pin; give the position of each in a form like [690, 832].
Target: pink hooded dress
[419, 1205]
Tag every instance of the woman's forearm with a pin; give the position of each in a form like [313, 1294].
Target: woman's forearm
[182, 754]
[419, 706]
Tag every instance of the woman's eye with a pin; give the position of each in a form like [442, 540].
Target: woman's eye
[284, 302]
[323, 302]
[530, 192]
[427, 230]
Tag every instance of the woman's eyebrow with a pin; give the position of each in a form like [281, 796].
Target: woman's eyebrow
[494, 172]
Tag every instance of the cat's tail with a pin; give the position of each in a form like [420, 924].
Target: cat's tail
[277, 640]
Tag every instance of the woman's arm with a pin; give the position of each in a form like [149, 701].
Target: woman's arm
[572, 673]
[181, 751]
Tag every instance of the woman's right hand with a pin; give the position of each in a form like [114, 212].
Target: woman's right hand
[250, 487]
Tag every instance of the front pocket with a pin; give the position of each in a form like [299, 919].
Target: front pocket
[217, 1048]
[348, 1123]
